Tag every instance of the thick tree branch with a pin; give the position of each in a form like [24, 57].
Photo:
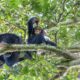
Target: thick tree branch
[75, 62]
[64, 70]
[4, 48]
[74, 49]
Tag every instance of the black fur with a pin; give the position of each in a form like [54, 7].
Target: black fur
[31, 21]
[10, 58]
[33, 39]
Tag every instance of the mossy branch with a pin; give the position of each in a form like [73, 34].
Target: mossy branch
[4, 48]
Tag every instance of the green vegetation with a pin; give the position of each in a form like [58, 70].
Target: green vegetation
[61, 19]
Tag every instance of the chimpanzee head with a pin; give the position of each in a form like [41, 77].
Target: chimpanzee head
[32, 24]
[32, 21]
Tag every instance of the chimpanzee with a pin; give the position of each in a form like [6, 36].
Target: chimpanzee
[12, 57]
[36, 35]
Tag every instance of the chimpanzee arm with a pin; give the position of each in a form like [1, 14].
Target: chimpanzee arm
[41, 39]
[47, 41]
[50, 43]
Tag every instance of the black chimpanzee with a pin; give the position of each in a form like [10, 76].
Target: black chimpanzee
[10, 58]
[36, 35]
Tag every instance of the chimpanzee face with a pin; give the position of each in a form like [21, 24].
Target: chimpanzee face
[32, 24]
[35, 22]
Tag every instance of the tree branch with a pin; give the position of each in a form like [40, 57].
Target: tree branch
[4, 48]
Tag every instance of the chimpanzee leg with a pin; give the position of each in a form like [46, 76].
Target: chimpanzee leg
[11, 59]
[1, 60]
[50, 43]
[28, 55]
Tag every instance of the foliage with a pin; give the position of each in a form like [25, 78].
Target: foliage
[14, 15]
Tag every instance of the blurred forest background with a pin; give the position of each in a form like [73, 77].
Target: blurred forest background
[61, 19]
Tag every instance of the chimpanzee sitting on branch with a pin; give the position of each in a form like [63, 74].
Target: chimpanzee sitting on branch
[40, 38]
[36, 35]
